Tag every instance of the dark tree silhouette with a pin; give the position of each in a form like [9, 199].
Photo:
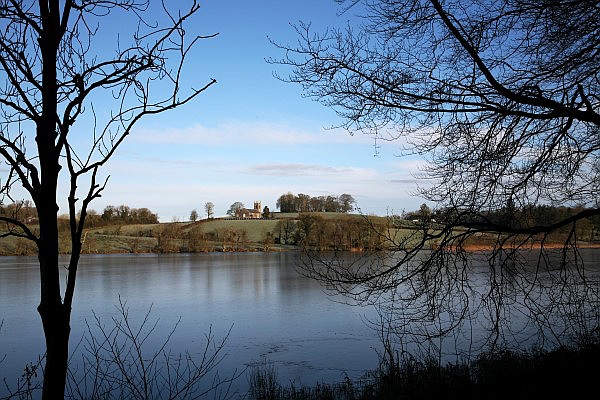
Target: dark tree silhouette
[286, 202]
[502, 99]
[51, 73]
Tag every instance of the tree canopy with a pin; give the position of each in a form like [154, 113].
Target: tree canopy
[304, 203]
[235, 207]
[501, 98]
[54, 72]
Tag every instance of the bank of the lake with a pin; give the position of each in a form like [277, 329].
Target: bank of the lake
[208, 235]
[289, 231]
[565, 372]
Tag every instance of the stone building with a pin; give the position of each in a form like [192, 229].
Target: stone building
[251, 213]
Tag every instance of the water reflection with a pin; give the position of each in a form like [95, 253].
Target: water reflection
[277, 315]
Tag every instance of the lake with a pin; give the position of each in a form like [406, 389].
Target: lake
[275, 316]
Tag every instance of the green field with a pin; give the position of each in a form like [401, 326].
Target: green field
[203, 235]
[256, 229]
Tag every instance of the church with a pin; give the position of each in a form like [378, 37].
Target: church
[254, 213]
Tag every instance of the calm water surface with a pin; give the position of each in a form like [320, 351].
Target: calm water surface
[278, 316]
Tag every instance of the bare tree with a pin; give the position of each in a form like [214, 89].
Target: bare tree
[209, 207]
[51, 76]
[122, 359]
[194, 215]
[235, 207]
[118, 362]
[502, 99]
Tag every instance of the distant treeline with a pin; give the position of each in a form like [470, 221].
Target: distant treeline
[26, 212]
[512, 216]
[121, 215]
[290, 202]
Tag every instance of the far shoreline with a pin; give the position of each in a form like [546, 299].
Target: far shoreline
[469, 248]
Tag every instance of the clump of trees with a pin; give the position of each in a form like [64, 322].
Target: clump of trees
[235, 207]
[198, 241]
[26, 212]
[304, 203]
[231, 239]
[169, 239]
[121, 215]
[318, 233]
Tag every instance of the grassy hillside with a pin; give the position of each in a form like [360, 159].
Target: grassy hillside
[204, 235]
[323, 230]
[256, 229]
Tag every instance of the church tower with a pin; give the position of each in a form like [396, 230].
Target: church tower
[257, 206]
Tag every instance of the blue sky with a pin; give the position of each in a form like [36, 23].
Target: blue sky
[250, 136]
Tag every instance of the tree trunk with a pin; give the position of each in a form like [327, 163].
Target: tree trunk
[55, 318]
[56, 330]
